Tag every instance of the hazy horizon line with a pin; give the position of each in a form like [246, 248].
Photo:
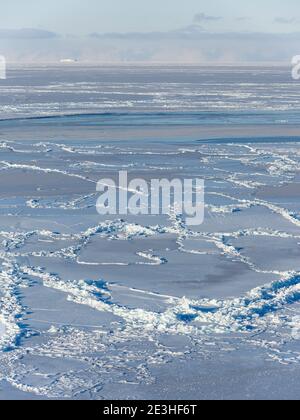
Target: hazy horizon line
[188, 31]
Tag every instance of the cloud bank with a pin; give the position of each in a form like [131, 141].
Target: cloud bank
[26, 33]
[286, 21]
[202, 17]
[188, 45]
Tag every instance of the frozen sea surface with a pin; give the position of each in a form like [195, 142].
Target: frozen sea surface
[109, 307]
[31, 91]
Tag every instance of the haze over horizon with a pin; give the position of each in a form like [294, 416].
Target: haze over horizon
[203, 32]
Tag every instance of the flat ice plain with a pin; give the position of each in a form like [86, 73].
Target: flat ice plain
[130, 307]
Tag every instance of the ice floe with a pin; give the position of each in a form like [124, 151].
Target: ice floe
[45, 250]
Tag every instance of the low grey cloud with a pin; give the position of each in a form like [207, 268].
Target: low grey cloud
[191, 31]
[202, 18]
[26, 33]
[286, 21]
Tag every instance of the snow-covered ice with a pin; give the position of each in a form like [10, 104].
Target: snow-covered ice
[110, 307]
[2, 330]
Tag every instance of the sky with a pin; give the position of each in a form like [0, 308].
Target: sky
[113, 31]
[80, 17]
